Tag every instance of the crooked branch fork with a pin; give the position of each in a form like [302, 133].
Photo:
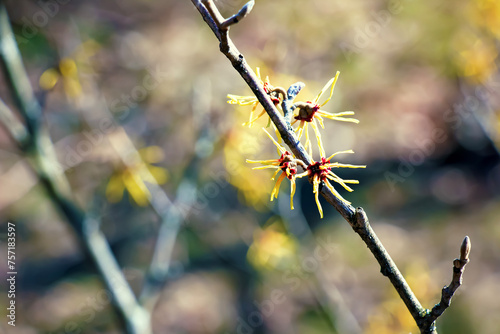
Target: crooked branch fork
[357, 218]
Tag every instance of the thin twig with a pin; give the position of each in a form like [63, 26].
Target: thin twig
[244, 11]
[448, 291]
[356, 218]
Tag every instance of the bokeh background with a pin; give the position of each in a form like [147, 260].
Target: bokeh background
[422, 77]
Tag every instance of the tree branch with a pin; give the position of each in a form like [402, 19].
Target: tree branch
[356, 218]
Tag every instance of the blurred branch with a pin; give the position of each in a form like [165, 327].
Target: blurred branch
[171, 214]
[186, 196]
[38, 146]
[12, 125]
[355, 217]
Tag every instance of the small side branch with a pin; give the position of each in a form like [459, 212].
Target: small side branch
[287, 104]
[448, 291]
[244, 11]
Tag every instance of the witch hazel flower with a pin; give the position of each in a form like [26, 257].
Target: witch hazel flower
[310, 112]
[288, 166]
[320, 172]
[250, 100]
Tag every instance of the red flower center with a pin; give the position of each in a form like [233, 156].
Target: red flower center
[269, 90]
[307, 112]
[287, 163]
[314, 169]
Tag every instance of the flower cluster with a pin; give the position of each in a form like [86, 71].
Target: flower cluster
[321, 171]
[310, 112]
[304, 113]
[253, 101]
[288, 166]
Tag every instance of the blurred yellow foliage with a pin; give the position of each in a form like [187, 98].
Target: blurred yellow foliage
[477, 50]
[129, 178]
[477, 61]
[67, 70]
[272, 248]
[486, 14]
[392, 316]
[252, 186]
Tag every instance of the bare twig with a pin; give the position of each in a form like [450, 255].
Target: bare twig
[448, 291]
[38, 146]
[244, 11]
[355, 217]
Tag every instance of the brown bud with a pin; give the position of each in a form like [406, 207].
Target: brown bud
[465, 249]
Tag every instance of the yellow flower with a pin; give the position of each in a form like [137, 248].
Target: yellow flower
[320, 171]
[309, 112]
[287, 164]
[130, 178]
[252, 100]
[67, 70]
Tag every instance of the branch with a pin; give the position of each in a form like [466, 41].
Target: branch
[38, 146]
[356, 218]
[287, 134]
[388, 268]
[448, 291]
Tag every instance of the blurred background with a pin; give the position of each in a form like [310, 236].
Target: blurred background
[423, 79]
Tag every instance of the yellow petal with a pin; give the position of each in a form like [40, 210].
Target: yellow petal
[332, 189]
[271, 161]
[265, 167]
[318, 138]
[115, 188]
[337, 118]
[332, 82]
[251, 121]
[337, 179]
[339, 152]
[281, 148]
[68, 67]
[136, 188]
[72, 87]
[152, 154]
[241, 100]
[160, 174]
[275, 173]
[48, 79]
[276, 188]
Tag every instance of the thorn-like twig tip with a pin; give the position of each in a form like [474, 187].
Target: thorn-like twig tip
[465, 249]
[244, 11]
